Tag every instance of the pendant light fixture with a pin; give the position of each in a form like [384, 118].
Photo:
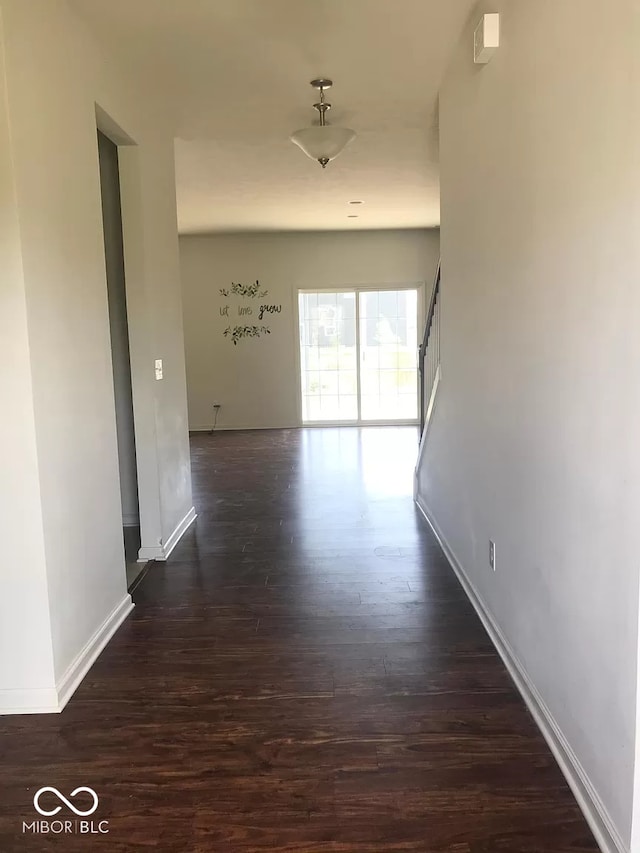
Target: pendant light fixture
[323, 142]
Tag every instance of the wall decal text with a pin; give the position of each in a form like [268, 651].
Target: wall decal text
[236, 333]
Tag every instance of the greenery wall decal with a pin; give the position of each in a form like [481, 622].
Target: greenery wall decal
[238, 332]
[239, 306]
[252, 291]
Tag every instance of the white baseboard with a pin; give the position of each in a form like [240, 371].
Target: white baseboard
[150, 552]
[232, 427]
[52, 700]
[37, 701]
[178, 533]
[83, 662]
[594, 810]
[162, 551]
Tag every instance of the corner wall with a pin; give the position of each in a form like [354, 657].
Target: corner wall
[56, 74]
[534, 438]
[257, 381]
[26, 656]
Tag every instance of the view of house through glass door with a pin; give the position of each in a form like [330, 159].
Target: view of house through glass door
[358, 355]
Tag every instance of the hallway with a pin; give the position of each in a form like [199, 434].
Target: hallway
[304, 674]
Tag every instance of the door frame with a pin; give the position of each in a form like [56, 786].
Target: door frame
[140, 332]
[419, 286]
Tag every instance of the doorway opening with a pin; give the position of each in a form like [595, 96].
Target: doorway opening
[358, 355]
[120, 355]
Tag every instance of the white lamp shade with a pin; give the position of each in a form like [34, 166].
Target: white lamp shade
[323, 142]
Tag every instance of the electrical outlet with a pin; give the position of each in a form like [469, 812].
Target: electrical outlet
[492, 554]
[216, 412]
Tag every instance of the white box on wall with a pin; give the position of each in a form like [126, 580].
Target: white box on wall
[486, 38]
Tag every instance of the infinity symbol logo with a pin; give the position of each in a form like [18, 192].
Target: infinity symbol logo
[63, 799]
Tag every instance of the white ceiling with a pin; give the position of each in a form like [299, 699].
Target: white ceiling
[236, 73]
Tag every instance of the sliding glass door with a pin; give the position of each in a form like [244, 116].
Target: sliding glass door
[388, 355]
[358, 355]
[328, 356]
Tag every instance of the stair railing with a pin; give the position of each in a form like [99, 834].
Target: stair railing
[429, 353]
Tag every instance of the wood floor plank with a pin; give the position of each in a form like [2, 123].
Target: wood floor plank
[305, 674]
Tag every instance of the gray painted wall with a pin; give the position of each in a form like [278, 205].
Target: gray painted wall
[534, 442]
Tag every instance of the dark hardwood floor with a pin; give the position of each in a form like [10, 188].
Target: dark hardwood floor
[304, 674]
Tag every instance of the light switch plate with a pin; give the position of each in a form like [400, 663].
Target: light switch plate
[158, 368]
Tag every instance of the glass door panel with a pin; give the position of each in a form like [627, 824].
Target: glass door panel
[328, 356]
[388, 346]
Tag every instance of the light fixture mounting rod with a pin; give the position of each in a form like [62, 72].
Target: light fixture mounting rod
[322, 83]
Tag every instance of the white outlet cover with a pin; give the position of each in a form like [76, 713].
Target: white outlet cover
[159, 373]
